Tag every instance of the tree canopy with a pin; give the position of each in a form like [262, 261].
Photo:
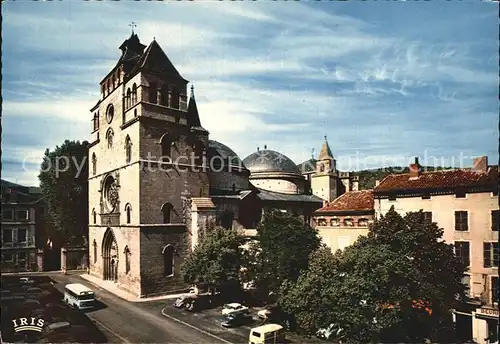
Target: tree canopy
[216, 262]
[284, 245]
[64, 184]
[397, 284]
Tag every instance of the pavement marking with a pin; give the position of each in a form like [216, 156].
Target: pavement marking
[108, 329]
[194, 327]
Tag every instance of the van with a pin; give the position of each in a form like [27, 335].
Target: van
[267, 334]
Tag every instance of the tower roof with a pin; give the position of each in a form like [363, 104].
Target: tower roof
[193, 118]
[155, 59]
[325, 153]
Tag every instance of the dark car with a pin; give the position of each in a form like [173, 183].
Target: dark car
[236, 319]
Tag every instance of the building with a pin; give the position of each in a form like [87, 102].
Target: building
[323, 178]
[464, 202]
[22, 228]
[342, 221]
[157, 182]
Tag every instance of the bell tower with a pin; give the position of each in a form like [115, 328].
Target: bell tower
[147, 155]
[324, 180]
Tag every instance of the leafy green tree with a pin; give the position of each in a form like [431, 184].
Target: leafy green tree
[398, 284]
[310, 298]
[216, 262]
[284, 245]
[64, 184]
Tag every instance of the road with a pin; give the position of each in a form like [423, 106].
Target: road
[128, 322]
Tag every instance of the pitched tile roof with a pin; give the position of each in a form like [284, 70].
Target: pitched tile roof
[203, 202]
[448, 179]
[351, 201]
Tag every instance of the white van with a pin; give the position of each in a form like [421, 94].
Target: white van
[267, 334]
[79, 296]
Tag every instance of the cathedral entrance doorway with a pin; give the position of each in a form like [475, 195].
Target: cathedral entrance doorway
[110, 256]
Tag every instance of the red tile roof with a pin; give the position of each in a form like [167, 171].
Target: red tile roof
[447, 179]
[351, 201]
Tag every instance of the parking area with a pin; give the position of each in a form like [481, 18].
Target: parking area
[37, 300]
[209, 320]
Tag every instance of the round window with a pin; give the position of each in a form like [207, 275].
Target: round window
[110, 112]
[110, 193]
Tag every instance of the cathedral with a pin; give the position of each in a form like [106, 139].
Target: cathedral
[157, 182]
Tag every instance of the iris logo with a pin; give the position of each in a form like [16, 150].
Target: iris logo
[28, 324]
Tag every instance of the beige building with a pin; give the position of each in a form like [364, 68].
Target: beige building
[465, 204]
[157, 182]
[342, 221]
[22, 237]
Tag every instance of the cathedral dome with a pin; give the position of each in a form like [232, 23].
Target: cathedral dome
[269, 161]
[219, 153]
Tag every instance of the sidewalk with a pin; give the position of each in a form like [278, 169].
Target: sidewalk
[113, 288]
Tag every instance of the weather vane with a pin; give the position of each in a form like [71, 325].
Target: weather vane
[132, 25]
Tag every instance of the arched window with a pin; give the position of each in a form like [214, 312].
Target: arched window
[109, 138]
[168, 260]
[110, 113]
[163, 95]
[174, 102]
[128, 149]
[234, 187]
[126, 252]
[166, 145]
[96, 121]
[153, 93]
[128, 210]
[94, 216]
[113, 80]
[95, 251]
[128, 99]
[363, 223]
[199, 151]
[135, 112]
[94, 164]
[166, 210]
[348, 222]
[134, 94]
[321, 168]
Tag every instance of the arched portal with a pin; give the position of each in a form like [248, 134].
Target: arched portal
[110, 256]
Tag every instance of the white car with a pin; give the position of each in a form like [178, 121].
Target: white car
[233, 307]
[329, 332]
[264, 313]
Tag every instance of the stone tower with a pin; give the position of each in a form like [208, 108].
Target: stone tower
[324, 180]
[146, 163]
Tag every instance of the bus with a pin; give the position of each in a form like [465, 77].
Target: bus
[79, 296]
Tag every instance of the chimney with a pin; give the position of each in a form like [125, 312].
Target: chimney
[415, 169]
[480, 164]
[377, 182]
[325, 203]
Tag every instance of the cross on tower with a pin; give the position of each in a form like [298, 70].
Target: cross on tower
[132, 25]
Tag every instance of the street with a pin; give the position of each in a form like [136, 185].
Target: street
[127, 322]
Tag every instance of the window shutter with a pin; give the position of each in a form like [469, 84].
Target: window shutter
[487, 254]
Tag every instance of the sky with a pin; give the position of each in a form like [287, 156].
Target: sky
[385, 81]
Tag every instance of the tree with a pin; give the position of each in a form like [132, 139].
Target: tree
[309, 299]
[64, 184]
[398, 284]
[284, 246]
[216, 262]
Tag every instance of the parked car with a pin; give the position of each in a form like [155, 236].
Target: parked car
[229, 308]
[332, 331]
[269, 311]
[236, 319]
[26, 281]
[183, 300]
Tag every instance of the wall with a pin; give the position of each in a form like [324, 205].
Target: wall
[224, 180]
[337, 237]
[324, 186]
[443, 207]
[153, 240]
[279, 185]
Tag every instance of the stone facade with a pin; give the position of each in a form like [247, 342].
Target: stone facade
[22, 228]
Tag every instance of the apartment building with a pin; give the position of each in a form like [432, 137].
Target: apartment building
[464, 202]
[342, 221]
[21, 242]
